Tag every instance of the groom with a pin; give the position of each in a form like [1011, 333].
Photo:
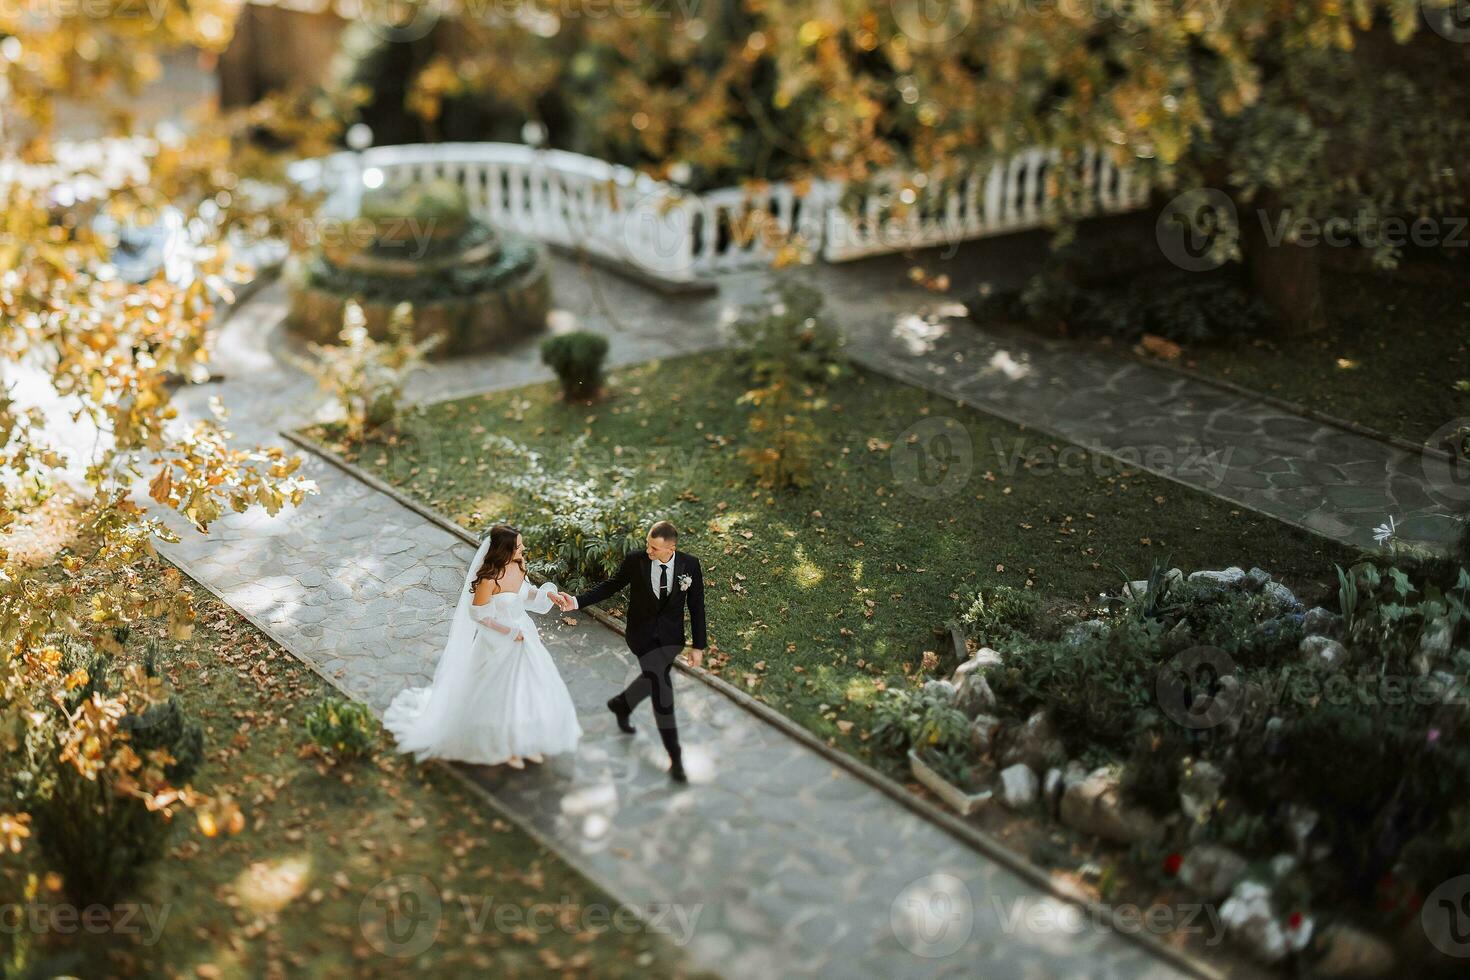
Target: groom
[664, 580]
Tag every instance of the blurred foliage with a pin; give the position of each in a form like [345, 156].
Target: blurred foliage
[790, 354]
[367, 376]
[114, 350]
[1332, 103]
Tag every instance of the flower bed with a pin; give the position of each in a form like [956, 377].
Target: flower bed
[1305, 769]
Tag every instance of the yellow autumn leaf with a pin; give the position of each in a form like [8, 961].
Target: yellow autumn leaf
[162, 485]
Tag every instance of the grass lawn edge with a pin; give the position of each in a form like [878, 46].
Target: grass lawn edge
[971, 836]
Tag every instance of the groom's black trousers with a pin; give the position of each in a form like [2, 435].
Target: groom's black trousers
[655, 681]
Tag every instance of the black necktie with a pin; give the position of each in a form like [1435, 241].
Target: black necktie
[663, 580]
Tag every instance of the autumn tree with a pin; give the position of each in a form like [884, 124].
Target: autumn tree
[1299, 113]
[114, 350]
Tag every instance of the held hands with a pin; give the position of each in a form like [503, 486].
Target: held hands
[564, 602]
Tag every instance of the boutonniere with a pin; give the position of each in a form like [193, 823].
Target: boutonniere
[684, 582]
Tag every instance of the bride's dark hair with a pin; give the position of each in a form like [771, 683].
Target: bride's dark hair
[501, 553]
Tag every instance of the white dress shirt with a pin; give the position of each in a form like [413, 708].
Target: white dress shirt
[653, 572]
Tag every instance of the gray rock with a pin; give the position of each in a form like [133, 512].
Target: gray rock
[1051, 788]
[974, 696]
[1226, 578]
[1257, 579]
[1018, 786]
[1136, 589]
[1199, 790]
[1281, 595]
[1094, 805]
[1085, 630]
[1212, 871]
[1248, 917]
[1283, 865]
[942, 689]
[1174, 578]
[1300, 822]
[1349, 952]
[1321, 622]
[1323, 651]
[983, 660]
[982, 733]
[1034, 743]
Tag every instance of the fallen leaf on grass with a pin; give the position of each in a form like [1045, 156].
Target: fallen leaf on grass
[1159, 347]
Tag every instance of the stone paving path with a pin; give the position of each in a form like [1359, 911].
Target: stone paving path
[784, 864]
[1314, 475]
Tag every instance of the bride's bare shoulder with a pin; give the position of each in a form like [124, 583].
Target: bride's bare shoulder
[486, 588]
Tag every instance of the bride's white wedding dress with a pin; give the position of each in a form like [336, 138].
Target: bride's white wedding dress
[493, 697]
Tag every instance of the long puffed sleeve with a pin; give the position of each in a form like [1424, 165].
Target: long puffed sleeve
[539, 601]
[493, 624]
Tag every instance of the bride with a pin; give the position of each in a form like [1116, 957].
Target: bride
[496, 695]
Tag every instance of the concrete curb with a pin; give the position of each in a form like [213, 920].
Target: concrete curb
[954, 826]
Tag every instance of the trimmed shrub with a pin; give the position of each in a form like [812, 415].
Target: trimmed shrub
[577, 358]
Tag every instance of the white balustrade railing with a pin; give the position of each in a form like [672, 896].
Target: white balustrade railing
[901, 211]
[631, 220]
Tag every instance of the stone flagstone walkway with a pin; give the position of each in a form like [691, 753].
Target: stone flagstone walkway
[786, 864]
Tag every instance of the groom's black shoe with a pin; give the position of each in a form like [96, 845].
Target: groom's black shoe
[621, 714]
[676, 772]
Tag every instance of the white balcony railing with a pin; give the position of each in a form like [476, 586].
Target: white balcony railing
[630, 219]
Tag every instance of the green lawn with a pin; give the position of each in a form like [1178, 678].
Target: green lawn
[1390, 357]
[286, 896]
[821, 597]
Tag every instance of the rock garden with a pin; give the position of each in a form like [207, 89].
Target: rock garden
[1301, 770]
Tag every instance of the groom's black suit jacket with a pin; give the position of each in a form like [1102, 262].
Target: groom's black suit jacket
[655, 625]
